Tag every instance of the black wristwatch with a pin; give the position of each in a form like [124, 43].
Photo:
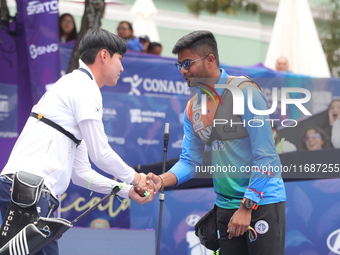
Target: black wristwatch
[249, 204]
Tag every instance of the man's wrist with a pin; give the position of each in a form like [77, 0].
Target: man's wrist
[249, 204]
[162, 182]
[137, 183]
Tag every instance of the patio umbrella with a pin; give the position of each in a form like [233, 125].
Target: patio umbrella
[295, 37]
[143, 12]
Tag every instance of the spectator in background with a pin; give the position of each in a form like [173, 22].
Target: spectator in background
[145, 41]
[67, 28]
[315, 138]
[282, 64]
[125, 30]
[333, 113]
[155, 48]
[282, 146]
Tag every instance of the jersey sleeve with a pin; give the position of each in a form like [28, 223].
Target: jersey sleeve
[266, 162]
[191, 156]
[101, 154]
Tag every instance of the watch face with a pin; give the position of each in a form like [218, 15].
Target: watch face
[249, 203]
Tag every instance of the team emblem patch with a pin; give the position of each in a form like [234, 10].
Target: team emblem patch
[261, 227]
[196, 105]
[197, 116]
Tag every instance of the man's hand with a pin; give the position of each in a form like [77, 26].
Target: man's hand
[141, 199]
[156, 179]
[239, 222]
[145, 185]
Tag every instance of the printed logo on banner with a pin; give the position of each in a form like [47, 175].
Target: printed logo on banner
[142, 141]
[36, 51]
[36, 7]
[117, 140]
[155, 86]
[4, 107]
[333, 241]
[8, 126]
[109, 113]
[192, 219]
[195, 247]
[139, 116]
[135, 81]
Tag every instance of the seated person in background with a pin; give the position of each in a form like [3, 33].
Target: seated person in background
[315, 138]
[145, 41]
[282, 64]
[125, 30]
[282, 146]
[333, 114]
[67, 28]
[155, 48]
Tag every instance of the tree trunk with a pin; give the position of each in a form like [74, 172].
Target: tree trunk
[93, 13]
[4, 13]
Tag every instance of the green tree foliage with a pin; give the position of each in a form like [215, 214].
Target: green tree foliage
[228, 6]
[330, 37]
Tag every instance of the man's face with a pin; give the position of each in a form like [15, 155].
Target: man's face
[197, 67]
[113, 69]
[282, 65]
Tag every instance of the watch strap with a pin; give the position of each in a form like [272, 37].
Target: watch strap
[255, 206]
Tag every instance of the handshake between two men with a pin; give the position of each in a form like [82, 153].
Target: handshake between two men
[146, 187]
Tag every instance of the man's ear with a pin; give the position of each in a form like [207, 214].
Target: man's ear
[103, 54]
[211, 59]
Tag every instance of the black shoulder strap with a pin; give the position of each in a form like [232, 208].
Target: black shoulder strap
[85, 71]
[56, 126]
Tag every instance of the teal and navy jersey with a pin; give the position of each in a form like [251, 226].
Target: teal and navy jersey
[247, 167]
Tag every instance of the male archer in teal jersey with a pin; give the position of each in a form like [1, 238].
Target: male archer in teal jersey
[252, 195]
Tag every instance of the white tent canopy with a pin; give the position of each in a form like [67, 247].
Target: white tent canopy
[143, 12]
[296, 38]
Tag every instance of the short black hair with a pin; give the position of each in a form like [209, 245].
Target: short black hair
[97, 39]
[153, 45]
[200, 42]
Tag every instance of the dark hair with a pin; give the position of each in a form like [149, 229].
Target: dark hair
[97, 39]
[201, 42]
[153, 45]
[326, 119]
[324, 137]
[127, 22]
[73, 34]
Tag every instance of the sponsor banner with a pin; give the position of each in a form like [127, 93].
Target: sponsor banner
[312, 222]
[114, 212]
[148, 75]
[8, 111]
[42, 42]
[8, 86]
[135, 126]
